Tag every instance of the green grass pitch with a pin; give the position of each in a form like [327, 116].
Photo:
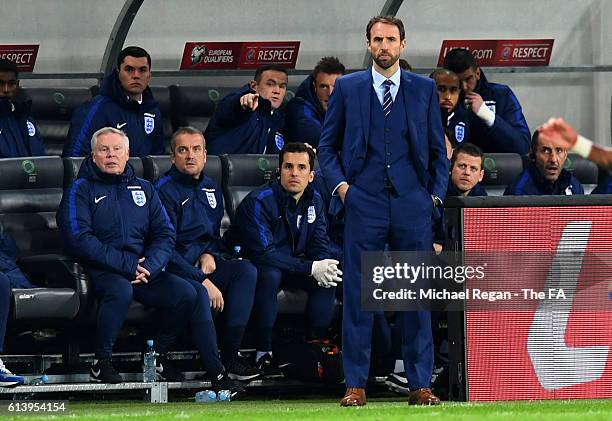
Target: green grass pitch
[328, 409]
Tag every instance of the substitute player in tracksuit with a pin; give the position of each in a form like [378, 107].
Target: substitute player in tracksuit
[281, 228]
[115, 225]
[19, 136]
[126, 103]
[195, 206]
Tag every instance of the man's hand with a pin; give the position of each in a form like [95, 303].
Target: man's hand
[215, 296]
[206, 263]
[437, 248]
[342, 189]
[557, 131]
[249, 101]
[474, 100]
[326, 272]
[142, 274]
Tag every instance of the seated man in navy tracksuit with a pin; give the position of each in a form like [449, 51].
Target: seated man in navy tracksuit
[281, 228]
[544, 174]
[18, 134]
[116, 226]
[249, 120]
[10, 277]
[126, 102]
[455, 118]
[497, 123]
[194, 203]
[305, 113]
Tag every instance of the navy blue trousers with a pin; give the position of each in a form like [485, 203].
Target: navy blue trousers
[181, 301]
[372, 220]
[319, 309]
[5, 296]
[236, 279]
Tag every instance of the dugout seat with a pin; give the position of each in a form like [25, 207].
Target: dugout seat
[162, 96]
[584, 170]
[192, 106]
[30, 192]
[242, 174]
[500, 169]
[52, 109]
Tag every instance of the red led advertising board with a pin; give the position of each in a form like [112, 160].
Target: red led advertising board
[24, 56]
[239, 55]
[536, 353]
[511, 52]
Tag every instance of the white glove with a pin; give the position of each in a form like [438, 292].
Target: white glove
[326, 272]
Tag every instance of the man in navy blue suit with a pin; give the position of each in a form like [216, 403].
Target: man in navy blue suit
[382, 153]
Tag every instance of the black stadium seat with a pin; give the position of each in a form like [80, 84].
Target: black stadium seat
[242, 174]
[30, 192]
[191, 106]
[584, 170]
[52, 109]
[500, 169]
[162, 96]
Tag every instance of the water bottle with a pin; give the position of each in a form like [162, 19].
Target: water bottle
[39, 381]
[237, 252]
[224, 396]
[206, 396]
[148, 368]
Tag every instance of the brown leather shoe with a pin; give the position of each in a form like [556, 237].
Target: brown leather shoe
[354, 396]
[423, 396]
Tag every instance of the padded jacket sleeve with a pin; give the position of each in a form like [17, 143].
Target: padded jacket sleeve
[160, 238]
[74, 220]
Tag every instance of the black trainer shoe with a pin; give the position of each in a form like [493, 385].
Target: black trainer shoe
[166, 370]
[223, 382]
[104, 372]
[398, 382]
[269, 368]
[238, 368]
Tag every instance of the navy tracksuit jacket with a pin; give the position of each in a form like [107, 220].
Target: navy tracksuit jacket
[304, 115]
[233, 129]
[532, 183]
[509, 132]
[142, 123]
[19, 136]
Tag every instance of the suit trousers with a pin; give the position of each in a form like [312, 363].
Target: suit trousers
[372, 220]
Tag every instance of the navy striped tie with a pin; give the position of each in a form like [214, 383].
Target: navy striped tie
[387, 98]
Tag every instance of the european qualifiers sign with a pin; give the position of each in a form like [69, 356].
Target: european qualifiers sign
[239, 55]
[516, 52]
[24, 56]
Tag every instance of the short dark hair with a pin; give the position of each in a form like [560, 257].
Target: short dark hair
[459, 60]
[391, 20]
[185, 130]
[296, 147]
[8, 67]
[468, 149]
[268, 67]
[133, 51]
[330, 65]
[445, 72]
[405, 65]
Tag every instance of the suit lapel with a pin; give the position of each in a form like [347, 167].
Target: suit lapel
[365, 92]
[411, 106]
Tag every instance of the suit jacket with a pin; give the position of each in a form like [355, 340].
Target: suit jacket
[344, 139]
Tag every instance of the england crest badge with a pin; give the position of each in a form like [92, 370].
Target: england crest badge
[139, 197]
[279, 140]
[149, 124]
[212, 200]
[311, 214]
[459, 132]
[31, 128]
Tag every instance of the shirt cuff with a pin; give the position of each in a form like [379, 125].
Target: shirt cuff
[583, 146]
[334, 193]
[485, 114]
